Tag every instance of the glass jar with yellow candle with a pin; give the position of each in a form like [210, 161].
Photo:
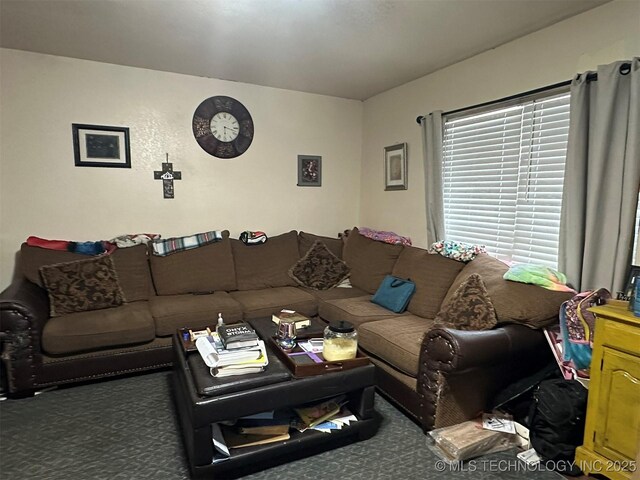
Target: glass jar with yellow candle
[340, 341]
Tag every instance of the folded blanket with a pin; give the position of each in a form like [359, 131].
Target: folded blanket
[84, 248]
[178, 244]
[462, 252]
[63, 245]
[538, 275]
[386, 237]
[131, 240]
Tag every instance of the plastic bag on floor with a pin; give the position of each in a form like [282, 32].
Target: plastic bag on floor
[469, 440]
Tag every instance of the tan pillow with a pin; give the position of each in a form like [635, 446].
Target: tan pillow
[433, 275]
[82, 285]
[369, 261]
[266, 265]
[469, 308]
[319, 269]
[209, 268]
[514, 302]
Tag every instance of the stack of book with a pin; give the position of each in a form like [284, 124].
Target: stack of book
[260, 429]
[324, 417]
[233, 350]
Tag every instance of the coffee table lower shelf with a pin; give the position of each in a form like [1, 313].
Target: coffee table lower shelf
[244, 461]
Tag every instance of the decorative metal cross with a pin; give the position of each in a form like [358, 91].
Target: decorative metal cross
[167, 175]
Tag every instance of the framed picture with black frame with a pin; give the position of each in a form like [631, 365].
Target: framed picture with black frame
[309, 171]
[101, 146]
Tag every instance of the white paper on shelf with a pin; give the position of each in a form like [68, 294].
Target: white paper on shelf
[220, 449]
[345, 417]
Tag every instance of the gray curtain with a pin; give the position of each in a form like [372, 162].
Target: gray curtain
[602, 177]
[432, 146]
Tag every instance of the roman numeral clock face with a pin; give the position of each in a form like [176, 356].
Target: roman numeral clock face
[223, 127]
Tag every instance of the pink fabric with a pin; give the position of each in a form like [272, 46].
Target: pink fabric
[386, 237]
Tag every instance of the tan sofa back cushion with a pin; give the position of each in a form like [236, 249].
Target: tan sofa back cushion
[266, 265]
[306, 241]
[433, 274]
[369, 260]
[514, 302]
[204, 269]
[131, 265]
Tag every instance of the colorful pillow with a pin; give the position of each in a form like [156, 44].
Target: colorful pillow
[470, 307]
[82, 285]
[319, 269]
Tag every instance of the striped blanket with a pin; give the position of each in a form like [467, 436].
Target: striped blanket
[167, 246]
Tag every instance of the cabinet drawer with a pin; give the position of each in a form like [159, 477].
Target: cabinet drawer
[617, 335]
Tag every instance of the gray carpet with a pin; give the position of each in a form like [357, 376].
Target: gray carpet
[126, 429]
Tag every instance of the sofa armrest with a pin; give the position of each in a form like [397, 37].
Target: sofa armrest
[461, 371]
[459, 350]
[24, 309]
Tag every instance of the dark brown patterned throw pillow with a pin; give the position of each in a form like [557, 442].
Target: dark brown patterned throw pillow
[82, 285]
[469, 308]
[319, 269]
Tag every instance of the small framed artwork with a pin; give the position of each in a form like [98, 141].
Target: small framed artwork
[395, 167]
[101, 146]
[309, 171]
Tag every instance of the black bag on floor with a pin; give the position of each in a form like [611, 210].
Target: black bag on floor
[557, 420]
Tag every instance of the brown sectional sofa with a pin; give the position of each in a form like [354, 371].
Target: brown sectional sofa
[438, 375]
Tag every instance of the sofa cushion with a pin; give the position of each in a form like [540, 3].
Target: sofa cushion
[131, 265]
[77, 332]
[397, 341]
[514, 302]
[265, 302]
[432, 274]
[319, 268]
[82, 285]
[171, 312]
[369, 261]
[204, 269]
[266, 265]
[336, 293]
[469, 308]
[306, 241]
[356, 310]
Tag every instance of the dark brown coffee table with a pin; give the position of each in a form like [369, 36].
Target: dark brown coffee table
[197, 411]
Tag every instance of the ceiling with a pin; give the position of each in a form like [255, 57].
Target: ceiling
[344, 48]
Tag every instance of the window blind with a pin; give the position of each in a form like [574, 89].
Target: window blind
[503, 172]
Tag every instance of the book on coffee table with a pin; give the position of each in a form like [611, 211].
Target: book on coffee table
[234, 439]
[238, 335]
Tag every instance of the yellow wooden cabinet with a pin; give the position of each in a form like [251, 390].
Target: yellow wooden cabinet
[612, 429]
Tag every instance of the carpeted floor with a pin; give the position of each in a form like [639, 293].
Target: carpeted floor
[126, 429]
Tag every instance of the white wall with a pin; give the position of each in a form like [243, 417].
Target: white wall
[552, 55]
[42, 193]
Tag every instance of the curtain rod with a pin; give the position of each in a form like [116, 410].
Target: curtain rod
[590, 77]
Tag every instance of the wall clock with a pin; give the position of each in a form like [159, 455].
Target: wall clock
[223, 127]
